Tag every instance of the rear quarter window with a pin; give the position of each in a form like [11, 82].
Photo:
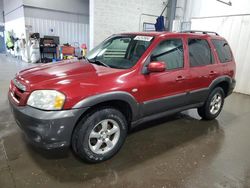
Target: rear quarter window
[223, 50]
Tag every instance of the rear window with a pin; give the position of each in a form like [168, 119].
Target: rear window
[223, 50]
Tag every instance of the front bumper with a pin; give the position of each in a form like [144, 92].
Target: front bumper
[46, 129]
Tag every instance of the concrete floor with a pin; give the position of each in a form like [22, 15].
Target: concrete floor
[178, 151]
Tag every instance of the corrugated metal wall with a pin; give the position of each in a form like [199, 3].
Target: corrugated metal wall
[69, 32]
[236, 29]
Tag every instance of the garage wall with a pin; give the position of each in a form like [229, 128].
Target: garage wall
[73, 6]
[69, 32]
[11, 5]
[233, 23]
[55, 15]
[14, 16]
[116, 16]
[205, 8]
[67, 19]
[1, 12]
[71, 28]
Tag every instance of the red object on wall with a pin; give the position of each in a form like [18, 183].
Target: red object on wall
[68, 50]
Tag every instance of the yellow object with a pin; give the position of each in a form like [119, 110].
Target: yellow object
[84, 52]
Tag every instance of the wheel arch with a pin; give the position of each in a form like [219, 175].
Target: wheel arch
[120, 100]
[223, 82]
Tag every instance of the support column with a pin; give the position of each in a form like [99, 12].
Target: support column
[171, 9]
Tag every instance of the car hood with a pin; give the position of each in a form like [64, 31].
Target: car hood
[61, 74]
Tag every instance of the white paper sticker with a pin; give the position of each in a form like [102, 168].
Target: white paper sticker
[143, 38]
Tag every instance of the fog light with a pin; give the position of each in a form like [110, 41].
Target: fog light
[38, 138]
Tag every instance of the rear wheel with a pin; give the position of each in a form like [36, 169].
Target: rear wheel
[214, 104]
[100, 135]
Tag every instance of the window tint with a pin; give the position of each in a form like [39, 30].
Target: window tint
[171, 52]
[117, 49]
[199, 52]
[223, 50]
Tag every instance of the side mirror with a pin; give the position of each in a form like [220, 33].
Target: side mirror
[156, 66]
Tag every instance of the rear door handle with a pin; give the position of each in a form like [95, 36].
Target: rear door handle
[180, 78]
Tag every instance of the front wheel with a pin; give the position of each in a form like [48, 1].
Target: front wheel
[213, 105]
[100, 135]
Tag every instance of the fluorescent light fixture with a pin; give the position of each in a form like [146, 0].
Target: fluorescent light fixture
[229, 3]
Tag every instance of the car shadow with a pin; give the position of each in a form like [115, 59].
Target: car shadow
[145, 142]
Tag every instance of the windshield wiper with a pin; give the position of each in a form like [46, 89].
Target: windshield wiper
[97, 62]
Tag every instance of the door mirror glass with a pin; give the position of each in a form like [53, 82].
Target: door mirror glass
[157, 66]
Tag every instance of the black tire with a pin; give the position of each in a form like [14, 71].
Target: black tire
[80, 139]
[204, 111]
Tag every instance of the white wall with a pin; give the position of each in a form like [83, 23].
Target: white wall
[74, 6]
[1, 12]
[14, 17]
[91, 24]
[70, 27]
[10, 5]
[234, 27]
[69, 32]
[68, 19]
[205, 8]
[55, 15]
[116, 16]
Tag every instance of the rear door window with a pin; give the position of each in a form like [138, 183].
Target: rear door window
[169, 51]
[223, 50]
[199, 52]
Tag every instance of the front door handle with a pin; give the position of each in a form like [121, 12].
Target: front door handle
[180, 78]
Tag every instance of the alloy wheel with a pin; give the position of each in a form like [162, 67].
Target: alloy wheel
[215, 103]
[104, 136]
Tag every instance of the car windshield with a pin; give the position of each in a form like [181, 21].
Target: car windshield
[121, 52]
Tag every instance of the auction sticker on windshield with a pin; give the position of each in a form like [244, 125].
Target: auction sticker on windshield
[143, 38]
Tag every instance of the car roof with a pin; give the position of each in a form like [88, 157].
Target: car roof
[174, 34]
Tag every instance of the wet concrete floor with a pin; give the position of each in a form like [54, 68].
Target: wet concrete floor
[178, 151]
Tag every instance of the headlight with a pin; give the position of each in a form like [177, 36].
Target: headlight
[46, 99]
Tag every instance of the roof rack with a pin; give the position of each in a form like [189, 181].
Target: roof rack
[203, 32]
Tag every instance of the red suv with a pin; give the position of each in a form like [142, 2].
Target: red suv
[128, 79]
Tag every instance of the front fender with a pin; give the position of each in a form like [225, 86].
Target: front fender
[110, 96]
